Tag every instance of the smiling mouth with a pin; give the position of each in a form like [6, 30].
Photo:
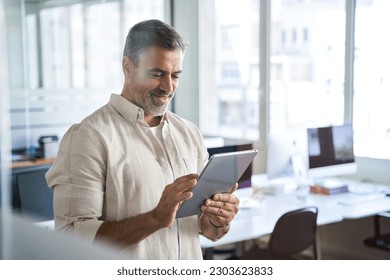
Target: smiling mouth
[161, 98]
[161, 94]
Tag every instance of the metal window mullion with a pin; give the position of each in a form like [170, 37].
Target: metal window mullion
[350, 8]
[70, 47]
[39, 47]
[265, 45]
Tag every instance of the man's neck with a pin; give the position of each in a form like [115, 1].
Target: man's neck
[152, 121]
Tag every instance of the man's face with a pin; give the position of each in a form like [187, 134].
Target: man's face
[151, 84]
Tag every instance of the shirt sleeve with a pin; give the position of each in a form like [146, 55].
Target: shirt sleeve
[77, 178]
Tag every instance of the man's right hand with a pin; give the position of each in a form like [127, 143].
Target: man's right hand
[132, 230]
[173, 196]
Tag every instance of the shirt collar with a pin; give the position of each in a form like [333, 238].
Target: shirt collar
[129, 110]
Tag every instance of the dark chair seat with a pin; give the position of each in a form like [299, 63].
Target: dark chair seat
[294, 232]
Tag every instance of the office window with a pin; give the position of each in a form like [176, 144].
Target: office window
[284, 37]
[32, 50]
[229, 68]
[71, 57]
[229, 36]
[55, 45]
[305, 34]
[103, 44]
[293, 35]
[78, 59]
[306, 80]
[81, 43]
[372, 80]
[230, 72]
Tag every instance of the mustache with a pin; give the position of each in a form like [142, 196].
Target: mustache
[159, 92]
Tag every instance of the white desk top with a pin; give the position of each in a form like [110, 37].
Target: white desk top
[260, 219]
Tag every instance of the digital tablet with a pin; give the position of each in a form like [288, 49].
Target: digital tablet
[220, 174]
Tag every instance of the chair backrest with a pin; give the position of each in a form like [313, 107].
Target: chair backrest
[294, 232]
[34, 197]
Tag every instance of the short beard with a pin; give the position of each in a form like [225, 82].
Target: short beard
[152, 108]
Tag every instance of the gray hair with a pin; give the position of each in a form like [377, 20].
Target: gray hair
[151, 33]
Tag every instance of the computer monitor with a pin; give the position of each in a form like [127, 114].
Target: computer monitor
[330, 151]
[287, 154]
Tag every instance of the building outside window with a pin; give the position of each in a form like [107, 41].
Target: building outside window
[229, 44]
[371, 116]
[306, 82]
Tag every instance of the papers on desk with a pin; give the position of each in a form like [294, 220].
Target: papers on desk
[329, 187]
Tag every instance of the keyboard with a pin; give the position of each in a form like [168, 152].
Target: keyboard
[357, 199]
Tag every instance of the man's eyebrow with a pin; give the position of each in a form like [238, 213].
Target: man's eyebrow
[178, 72]
[155, 70]
[158, 70]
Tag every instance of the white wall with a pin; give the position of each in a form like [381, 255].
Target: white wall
[373, 169]
[187, 96]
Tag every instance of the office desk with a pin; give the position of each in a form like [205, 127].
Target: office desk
[260, 220]
[32, 163]
[360, 210]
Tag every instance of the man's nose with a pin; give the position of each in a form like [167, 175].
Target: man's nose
[166, 84]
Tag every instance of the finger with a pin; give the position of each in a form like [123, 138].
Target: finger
[179, 190]
[180, 196]
[234, 188]
[185, 183]
[220, 204]
[226, 197]
[222, 217]
[187, 177]
[217, 210]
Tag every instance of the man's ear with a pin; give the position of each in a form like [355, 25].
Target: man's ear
[127, 64]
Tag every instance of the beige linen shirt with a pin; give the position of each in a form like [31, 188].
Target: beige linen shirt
[111, 167]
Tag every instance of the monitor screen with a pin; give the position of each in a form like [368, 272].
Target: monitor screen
[330, 151]
[287, 153]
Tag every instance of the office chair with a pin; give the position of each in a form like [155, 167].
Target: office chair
[380, 240]
[294, 232]
[34, 198]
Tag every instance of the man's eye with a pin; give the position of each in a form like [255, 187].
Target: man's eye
[156, 74]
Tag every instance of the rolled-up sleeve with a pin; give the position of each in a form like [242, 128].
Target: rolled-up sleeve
[77, 178]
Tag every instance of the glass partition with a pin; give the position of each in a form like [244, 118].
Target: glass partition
[66, 59]
[5, 142]
[60, 60]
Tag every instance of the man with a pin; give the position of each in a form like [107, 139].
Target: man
[123, 172]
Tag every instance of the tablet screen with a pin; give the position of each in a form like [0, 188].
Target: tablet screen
[220, 174]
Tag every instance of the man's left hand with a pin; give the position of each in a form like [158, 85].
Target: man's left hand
[221, 208]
